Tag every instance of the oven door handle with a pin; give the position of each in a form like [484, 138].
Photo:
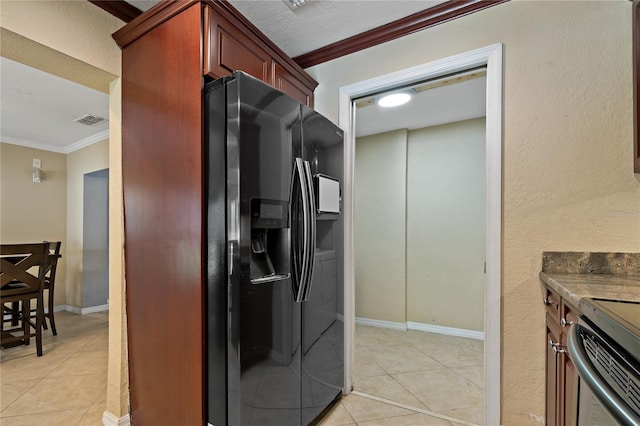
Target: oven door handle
[607, 397]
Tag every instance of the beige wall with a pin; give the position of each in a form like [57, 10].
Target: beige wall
[118, 379]
[75, 39]
[33, 212]
[86, 160]
[379, 226]
[446, 225]
[567, 149]
[75, 28]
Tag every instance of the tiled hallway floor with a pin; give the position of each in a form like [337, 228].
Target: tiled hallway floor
[412, 378]
[65, 386]
[401, 378]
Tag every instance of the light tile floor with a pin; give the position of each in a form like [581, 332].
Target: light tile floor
[401, 378]
[67, 385]
[412, 378]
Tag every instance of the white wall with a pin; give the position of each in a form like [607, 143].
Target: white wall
[446, 204]
[567, 149]
[379, 226]
[420, 225]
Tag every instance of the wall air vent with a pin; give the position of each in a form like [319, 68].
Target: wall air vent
[89, 120]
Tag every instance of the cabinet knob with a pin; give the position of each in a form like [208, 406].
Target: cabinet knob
[565, 323]
[556, 347]
[546, 301]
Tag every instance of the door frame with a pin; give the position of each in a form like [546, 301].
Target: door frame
[491, 57]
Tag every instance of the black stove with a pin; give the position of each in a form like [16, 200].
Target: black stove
[620, 320]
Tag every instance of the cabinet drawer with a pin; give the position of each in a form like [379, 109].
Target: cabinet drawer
[568, 315]
[227, 49]
[552, 303]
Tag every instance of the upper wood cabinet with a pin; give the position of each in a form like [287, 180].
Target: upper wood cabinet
[227, 48]
[231, 43]
[286, 82]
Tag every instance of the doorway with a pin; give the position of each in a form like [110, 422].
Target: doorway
[95, 248]
[491, 57]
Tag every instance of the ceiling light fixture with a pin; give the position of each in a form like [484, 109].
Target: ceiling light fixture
[395, 99]
[294, 4]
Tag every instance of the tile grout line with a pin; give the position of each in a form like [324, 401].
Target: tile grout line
[410, 342]
[414, 409]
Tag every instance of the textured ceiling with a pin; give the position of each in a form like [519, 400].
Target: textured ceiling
[38, 109]
[319, 22]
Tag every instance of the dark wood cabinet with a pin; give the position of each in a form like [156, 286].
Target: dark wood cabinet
[285, 81]
[227, 48]
[561, 378]
[230, 45]
[168, 53]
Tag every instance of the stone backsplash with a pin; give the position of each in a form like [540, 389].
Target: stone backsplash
[567, 262]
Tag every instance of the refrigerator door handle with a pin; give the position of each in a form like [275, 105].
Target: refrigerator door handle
[299, 279]
[312, 230]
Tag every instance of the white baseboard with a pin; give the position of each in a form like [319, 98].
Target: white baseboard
[429, 328]
[449, 331]
[381, 324]
[84, 311]
[109, 419]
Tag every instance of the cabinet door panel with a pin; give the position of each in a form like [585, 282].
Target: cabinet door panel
[570, 392]
[227, 49]
[552, 386]
[284, 81]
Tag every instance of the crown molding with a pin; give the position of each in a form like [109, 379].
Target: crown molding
[120, 9]
[418, 21]
[82, 143]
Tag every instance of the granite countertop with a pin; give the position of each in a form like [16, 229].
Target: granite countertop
[574, 276]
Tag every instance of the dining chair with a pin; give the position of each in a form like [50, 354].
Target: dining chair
[51, 264]
[22, 269]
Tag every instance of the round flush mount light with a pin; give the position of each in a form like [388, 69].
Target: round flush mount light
[394, 99]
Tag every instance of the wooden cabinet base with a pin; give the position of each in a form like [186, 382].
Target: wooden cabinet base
[561, 378]
[164, 68]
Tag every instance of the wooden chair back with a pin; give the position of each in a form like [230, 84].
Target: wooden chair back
[22, 269]
[51, 263]
[49, 284]
[16, 263]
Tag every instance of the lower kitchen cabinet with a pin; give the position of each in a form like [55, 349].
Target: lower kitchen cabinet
[561, 377]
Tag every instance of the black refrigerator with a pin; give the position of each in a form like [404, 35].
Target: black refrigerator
[274, 314]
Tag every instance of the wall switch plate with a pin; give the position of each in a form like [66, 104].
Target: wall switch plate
[37, 163]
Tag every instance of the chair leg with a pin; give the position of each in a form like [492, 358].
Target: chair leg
[52, 319]
[14, 317]
[39, 319]
[26, 327]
